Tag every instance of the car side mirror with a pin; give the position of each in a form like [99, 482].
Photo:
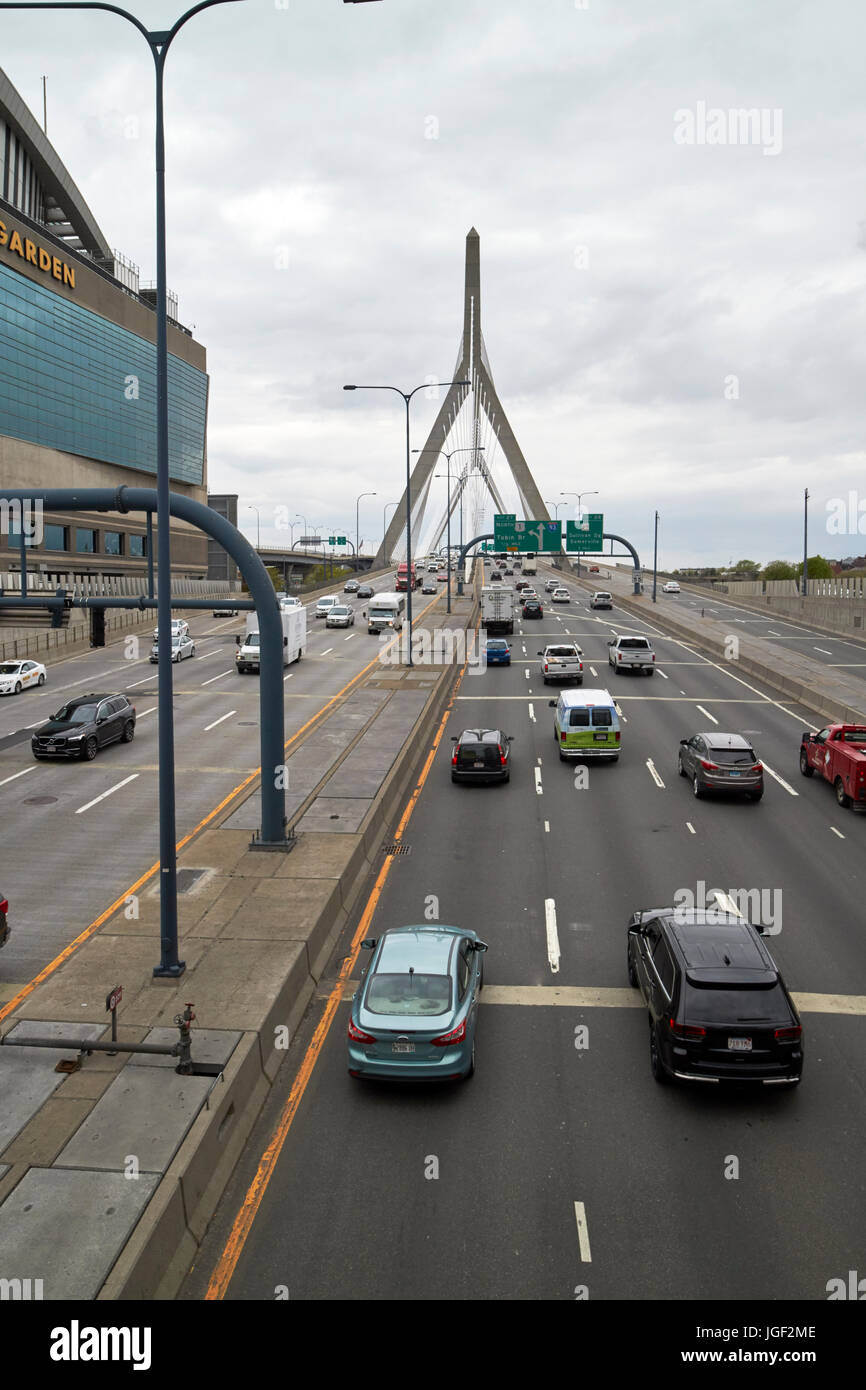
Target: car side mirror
[551, 704]
[285, 641]
[368, 944]
[479, 946]
[454, 738]
[238, 640]
[541, 653]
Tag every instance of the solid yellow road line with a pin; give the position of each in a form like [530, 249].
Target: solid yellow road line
[103, 917]
[243, 1222]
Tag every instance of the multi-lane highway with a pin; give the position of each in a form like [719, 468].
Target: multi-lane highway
[76, 835]
[561, 1165]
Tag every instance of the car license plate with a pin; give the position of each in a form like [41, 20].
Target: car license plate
[600, 738]
[739, 1044]
[479, 763]
[49, 744]
[402, 1047]
[733, 774]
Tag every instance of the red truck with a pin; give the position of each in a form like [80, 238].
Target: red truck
[401, 586]
[839, 754]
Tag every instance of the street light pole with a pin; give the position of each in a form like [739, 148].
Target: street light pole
[158, 41]
[385, 526]
[407, 397]
[579, 496]
[805, 584]
[357, 524]
[655, 554]
[253, 508]
[465, 449]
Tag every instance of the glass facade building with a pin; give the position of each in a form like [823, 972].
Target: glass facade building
[72, 380]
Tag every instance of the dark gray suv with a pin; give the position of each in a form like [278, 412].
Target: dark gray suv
[481, 755]
[83, 726]
[719, 762]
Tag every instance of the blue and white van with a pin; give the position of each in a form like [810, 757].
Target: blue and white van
[586, 724]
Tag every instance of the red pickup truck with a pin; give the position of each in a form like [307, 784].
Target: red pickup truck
[839, 754]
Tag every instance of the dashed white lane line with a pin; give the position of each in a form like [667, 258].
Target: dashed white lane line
[582, 1232]
[822, 649]
[144, 682]
[780, 780]
[523, 649]
[832, 827]
[620, 713]
[288, 677]
[546, 823]
[221, 720]
[110, 792]
[706, 714]
[222, 675]
[593, 672]
[213, 651]
[325, 652]
[662, 674]
[152, 710]
[349, 638]
[653, 772]
[526, 673]
[532, 712]
[552, 935]
[690, 828]
[18, 774]
[771, 633]
[538, 788]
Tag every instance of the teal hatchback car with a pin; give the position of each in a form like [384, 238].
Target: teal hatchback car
[414, 1016]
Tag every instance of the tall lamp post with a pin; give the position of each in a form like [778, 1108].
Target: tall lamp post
[253, 508]
[579, 495]
[158, 42]
[465, 449]
[805, 585]
[655, 553]
[357, 525]
[385, 525]
[407, 396]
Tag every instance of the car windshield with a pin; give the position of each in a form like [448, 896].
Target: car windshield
[561, 651]
[497, 644]
[408, 994]
[252, 639]
[339, 612]
[634, 642]
[76, 714]
[10, 668]
[732, 757]
[761, 1003]
[602, 595]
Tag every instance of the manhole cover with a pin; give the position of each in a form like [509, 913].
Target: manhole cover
[40, 800]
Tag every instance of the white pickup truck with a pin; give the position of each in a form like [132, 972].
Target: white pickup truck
[562, 662]
[632, 654]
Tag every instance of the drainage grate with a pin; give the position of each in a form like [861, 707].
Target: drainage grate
[396, 849]
[187, 878]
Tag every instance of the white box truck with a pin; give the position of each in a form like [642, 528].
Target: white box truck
[294, 624]
[385, 611]
[497, 609]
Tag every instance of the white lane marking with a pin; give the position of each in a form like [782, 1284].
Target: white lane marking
[780, 780]
[552, 937]
[220, 677]
[532, 712]
[526, 673]
[832, 827]
[582, 1232]
[546, 823]
[151, 677]
[110, 792]
[325, 652]
[620, 713]
[221, 720]
[661, 673]
[17, 774]
[213, 651]
[771, 633]
[537, 771]
[593, 672]
[822, 649]
[31, 726]
[691, 828]
[706, 714]
[152, 710]
[349, 638]
[523, 650]
[288, 677]
[654, 773]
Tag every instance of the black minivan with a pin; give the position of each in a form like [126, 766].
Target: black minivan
[718, 1008]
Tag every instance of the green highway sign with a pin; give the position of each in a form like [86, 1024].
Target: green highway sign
[586, 534]
[511, 534]
[336, 540]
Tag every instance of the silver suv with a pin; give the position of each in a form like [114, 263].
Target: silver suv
[324, 605]
[601, 600]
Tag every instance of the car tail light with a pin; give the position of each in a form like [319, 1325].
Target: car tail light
[687, 1032]
[757, 767]
[616, 737]
[562, 736]
[501, 754]
[448, 1039]
[653, 656]
[619, 656]
[709, 767]
[358, 1034]
[4, 905]
[788, 1035]
[454, 758]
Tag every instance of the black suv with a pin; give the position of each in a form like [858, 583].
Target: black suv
[481, 755]
[532, 608]
[85, 725]
[718, 1007]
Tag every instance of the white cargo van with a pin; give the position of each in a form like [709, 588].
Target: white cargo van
[294, 624]
[385, 611]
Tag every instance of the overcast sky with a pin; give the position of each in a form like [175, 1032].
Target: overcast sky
[673, 303]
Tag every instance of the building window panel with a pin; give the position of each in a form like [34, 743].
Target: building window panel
[55, 537]
[113, 542]
[85, 540]
[137, 546]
